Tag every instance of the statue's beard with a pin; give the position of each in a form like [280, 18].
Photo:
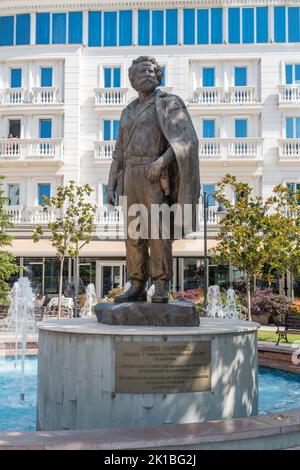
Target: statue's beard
[146, 84]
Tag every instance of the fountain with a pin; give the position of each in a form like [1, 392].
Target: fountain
[91, 300]
[230, 307]
[215, 307]
[20, 319]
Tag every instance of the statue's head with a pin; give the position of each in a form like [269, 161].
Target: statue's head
[145, 74]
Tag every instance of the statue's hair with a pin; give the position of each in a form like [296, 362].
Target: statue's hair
[158, 70]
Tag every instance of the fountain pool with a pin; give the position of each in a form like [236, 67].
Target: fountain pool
[278, 391]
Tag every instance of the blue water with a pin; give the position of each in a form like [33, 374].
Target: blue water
[278, 391]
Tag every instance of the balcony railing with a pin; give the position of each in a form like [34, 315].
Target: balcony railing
[38, 95]
[208, 95]
[230, 148]
[241, 95]
[22, 149]
[30, 215]
[289, 94]
[104, 216]
[104, 150]
[289, 148]
[111, 96]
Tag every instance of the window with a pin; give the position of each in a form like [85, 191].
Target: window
[234, 25]
[112, 77]
[292, 74]
[216, 26]
[209, 129]
[125, 28]
[15, 78]
[241, 126]
[163, 80]
[46, 76]
[248, 25]
[209, 189]
[294, 188]
[240, 76]
[292, 127]
[23, 29]
[44, 189]
[208, 76]
[189, 26]
[45, 128]
[157, 27]
[171, 27]
[14, 194]
[59, 22]
[95, 28]
[110, 28]
[262, 28]
[15, 128]
[202, 30]
[75, 27]
[293, 24]
[144, 27]
[6, 30]
[279, 24]
[110, 129]
[43, 28]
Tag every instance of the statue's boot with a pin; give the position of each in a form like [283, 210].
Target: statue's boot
[136, 292]
[161, 294]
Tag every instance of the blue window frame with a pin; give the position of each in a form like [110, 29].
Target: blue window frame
[112, 77]
[125, 28]
[279, 24]
[240, 76]
[189, 26]
[6, 30]
[144, 27]
[16, 78]
[59, 23]
[14, 194]
[157, 27]
[293, 24]
[209, 129]
[23, 29]
[110, 129]
[208, 76]
[234, 25]
[95, 28]
[248, 25]
[44, 189]
[262, 27]
[209, 190]
[46, 76]
[110, 28]
[288, 74]
[45, 128]
[163, 80]
[171, 27]
[216, 26]
[43, 28]
[241, 128]
[202, 29]
[75, 27]
[292, 127]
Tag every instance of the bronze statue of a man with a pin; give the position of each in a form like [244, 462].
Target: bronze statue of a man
[155, 162]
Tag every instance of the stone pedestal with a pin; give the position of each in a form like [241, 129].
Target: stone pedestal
[93, 376]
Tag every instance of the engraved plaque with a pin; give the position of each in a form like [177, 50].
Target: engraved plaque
[163, 367]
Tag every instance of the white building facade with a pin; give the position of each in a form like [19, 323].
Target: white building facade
[64, 82]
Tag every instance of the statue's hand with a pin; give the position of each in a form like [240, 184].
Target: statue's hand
[110, 198]
[154, 171]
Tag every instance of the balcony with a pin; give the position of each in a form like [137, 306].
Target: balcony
[111, 98]
[289, 96]
[217, 99]
[289, 150]
[30, 215]
[37, 97]
[104, 150]
[241, 95]
[231, 149]
[208, 95]
[30, 151]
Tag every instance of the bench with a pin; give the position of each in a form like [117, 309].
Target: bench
[291, 324]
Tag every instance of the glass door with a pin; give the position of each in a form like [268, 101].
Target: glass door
[109, 276]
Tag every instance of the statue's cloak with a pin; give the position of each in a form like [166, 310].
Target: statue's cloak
[177, 127]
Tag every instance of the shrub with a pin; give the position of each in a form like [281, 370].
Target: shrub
[266, 302]
[295, 307]
[192, 295]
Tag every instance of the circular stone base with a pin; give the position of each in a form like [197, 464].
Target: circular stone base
[93, 376]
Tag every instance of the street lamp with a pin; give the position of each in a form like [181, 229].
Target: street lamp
[221, 212]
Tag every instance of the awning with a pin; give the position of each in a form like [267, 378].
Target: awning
[105, 249]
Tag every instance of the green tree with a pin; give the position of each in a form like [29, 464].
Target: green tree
[8, 265]
[72, 227]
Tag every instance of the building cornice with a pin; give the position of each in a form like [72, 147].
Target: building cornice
[7, 6]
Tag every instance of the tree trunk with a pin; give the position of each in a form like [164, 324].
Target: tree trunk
[76, 279]
[248, 287]
[60, 284]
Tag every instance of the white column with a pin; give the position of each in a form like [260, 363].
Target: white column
[271, 24]
[225, 25]
[135, 27]
[180, 25]
[85, 33]
[32, 28]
